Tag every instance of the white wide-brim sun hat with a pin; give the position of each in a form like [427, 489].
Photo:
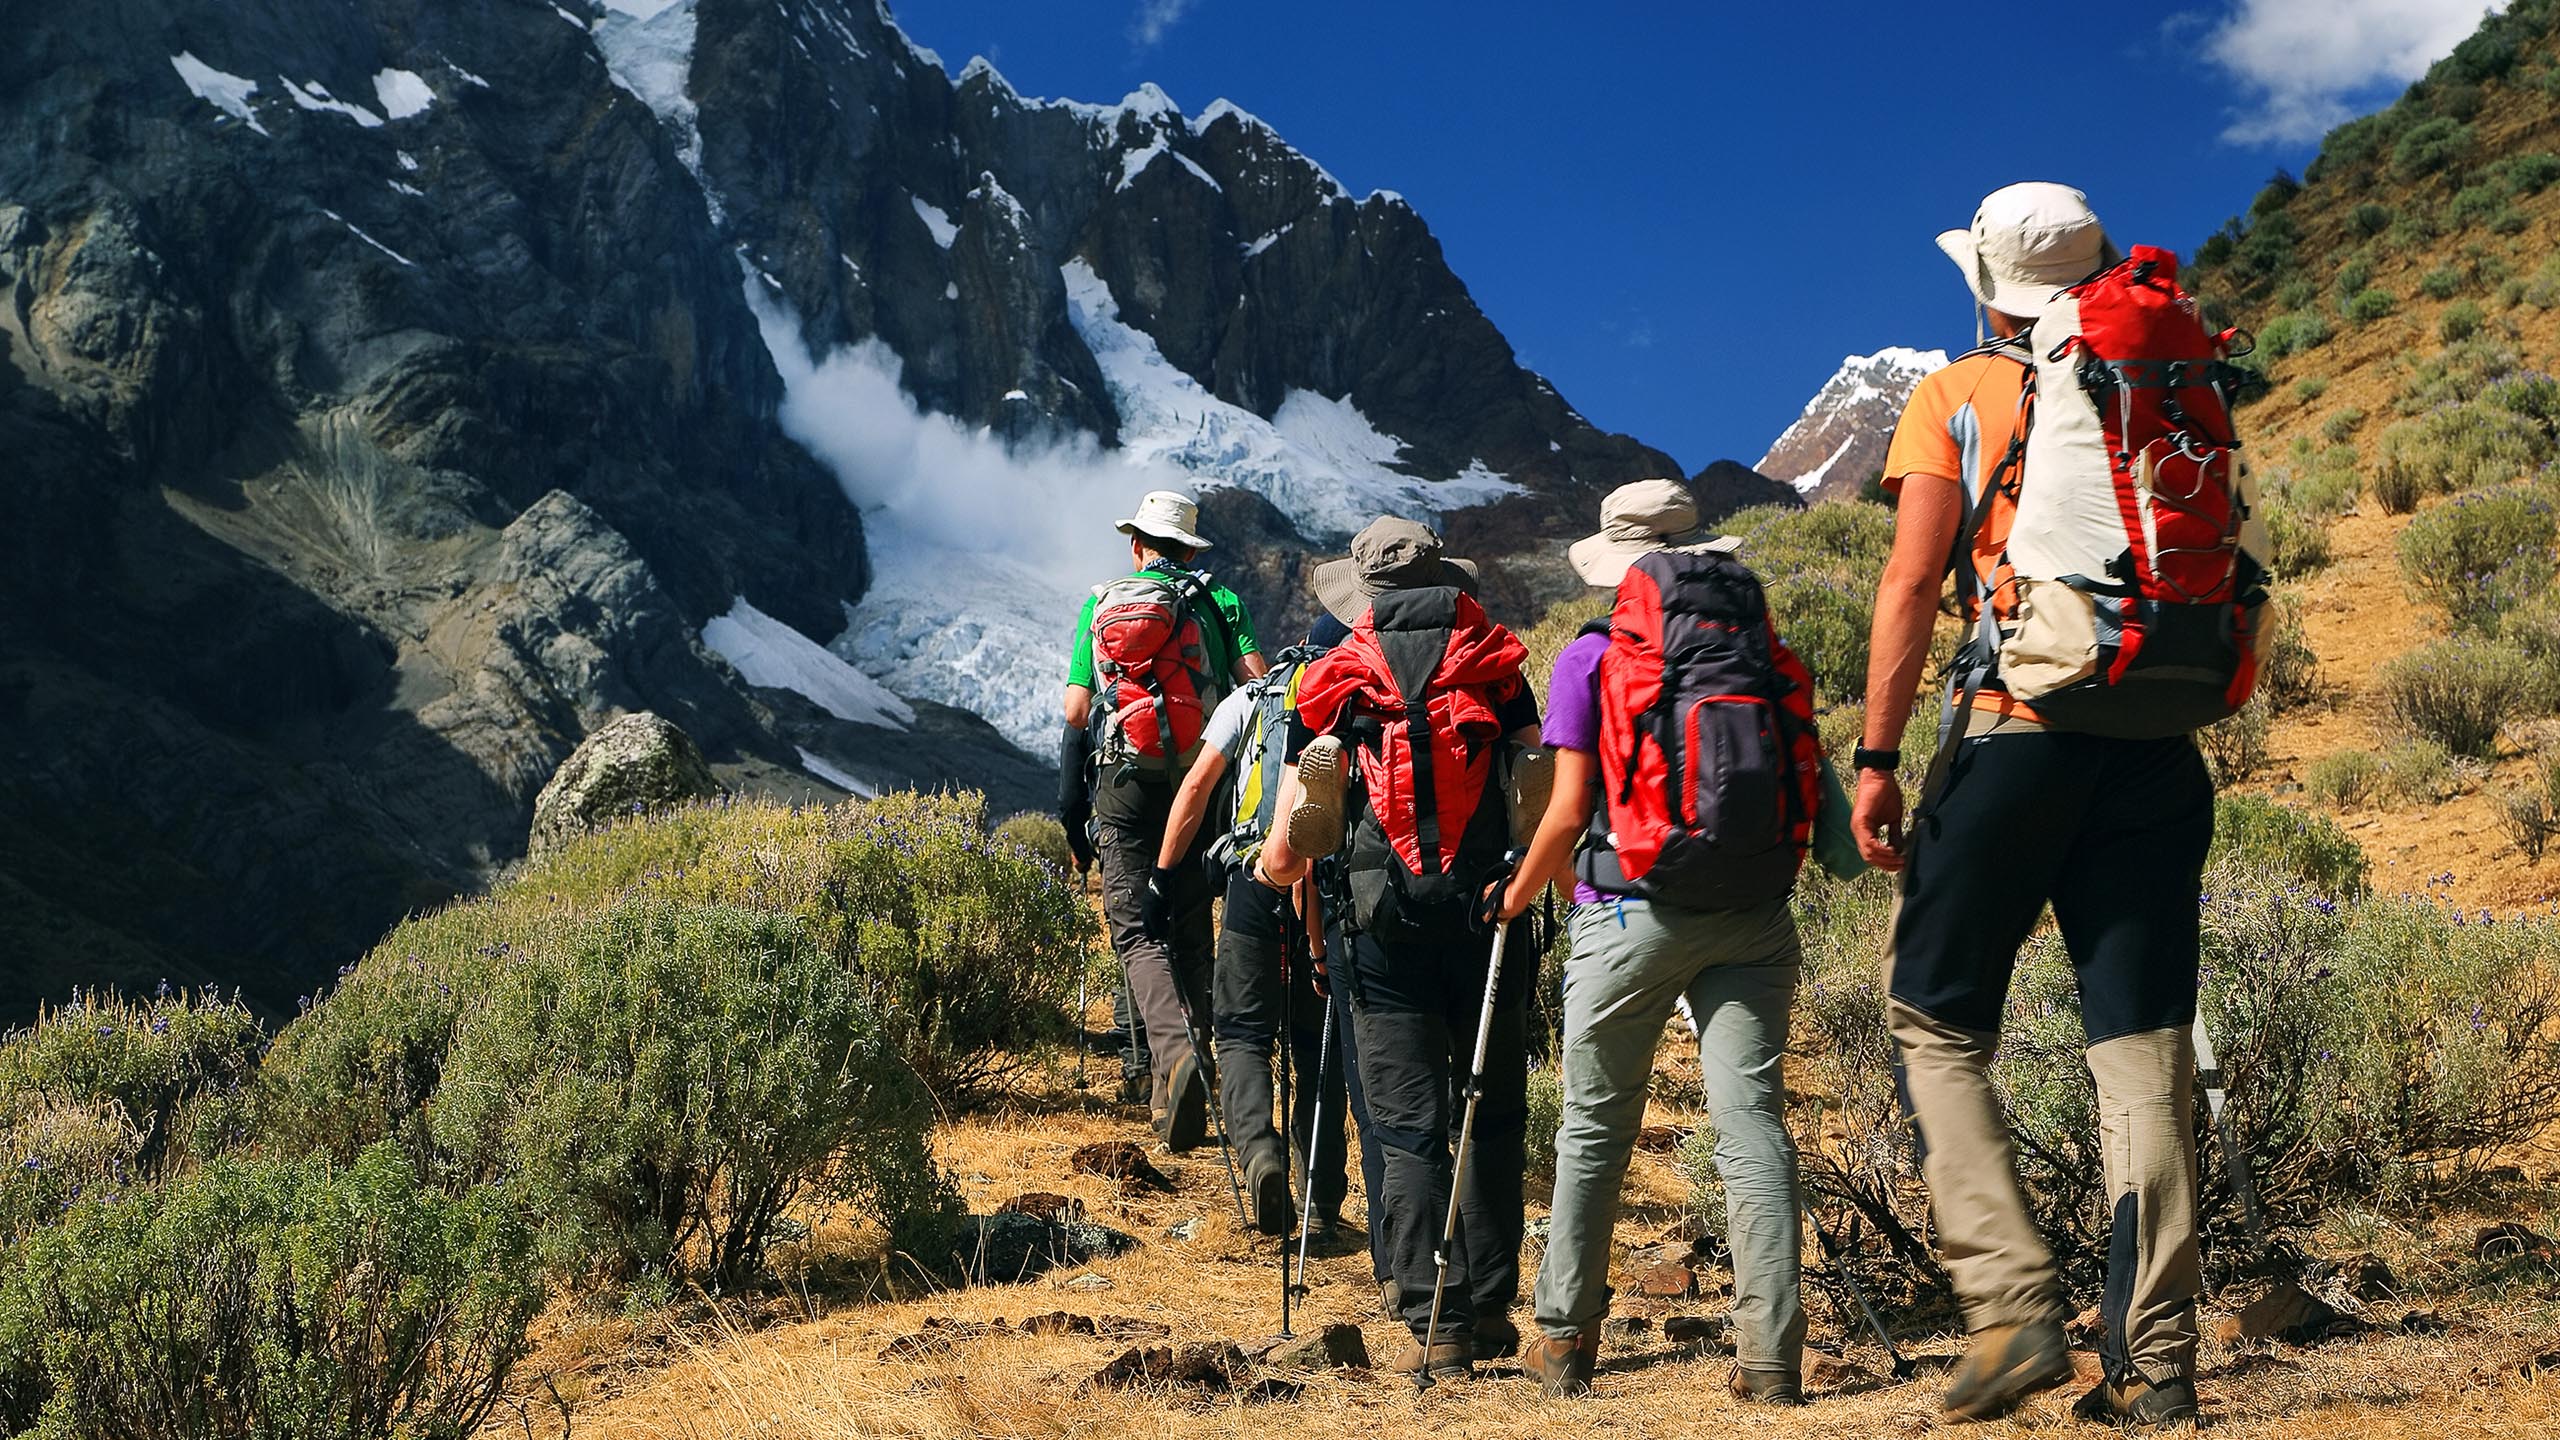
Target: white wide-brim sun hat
[2028, 241]
[1166, 515]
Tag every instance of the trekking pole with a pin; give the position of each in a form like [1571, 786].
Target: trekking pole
[1281, 1051]
[1084, 1002]
[1839, 1265]
[1312, 926]
[1458, 1163]
[2244, 1180]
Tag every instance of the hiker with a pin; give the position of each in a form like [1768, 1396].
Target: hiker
[1425, 699]
[1667, 909]
[1153, 653]
[1249, 733]
[2065, 772]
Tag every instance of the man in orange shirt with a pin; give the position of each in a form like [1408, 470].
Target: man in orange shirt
[2111, 832]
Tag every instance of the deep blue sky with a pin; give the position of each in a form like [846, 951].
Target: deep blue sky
[1685, 214]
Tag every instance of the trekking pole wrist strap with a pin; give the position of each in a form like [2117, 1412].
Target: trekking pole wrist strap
[1863, 758]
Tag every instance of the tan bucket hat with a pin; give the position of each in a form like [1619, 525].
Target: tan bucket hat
[1636, 520]
[1166, 515]
[2027, 241]
[1389, 553]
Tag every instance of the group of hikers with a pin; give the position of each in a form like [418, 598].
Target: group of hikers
[1388, 805]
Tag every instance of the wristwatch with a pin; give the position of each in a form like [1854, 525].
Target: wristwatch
[1863, 758]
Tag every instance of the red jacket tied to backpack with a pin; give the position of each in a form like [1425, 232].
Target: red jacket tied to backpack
[1417, 689]
[1710, 765]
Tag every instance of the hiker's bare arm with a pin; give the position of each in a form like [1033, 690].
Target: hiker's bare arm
[1079, 706]
[1924, 527]
[1249, 665]
[1550, 857]
[1190, 803]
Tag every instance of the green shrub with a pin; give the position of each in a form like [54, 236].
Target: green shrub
[1697, 1160]
[2341, 424]
[1820, 565]
[1038, 836]
[2530, 812]
[2418, 771]
[2459, 373]
[662, 1080]
[2473, 204]
[2458, 692]
[2509, 221]
[2482, 553]
[59, 1153]
[2288, 671]
[2543, 291]
[1555, 630]
[2528, 174]
[2343, 779]
[2236, 746]
[2371, 305]
[2460, 321]
[2456, 447]
[2429, 147]
[2354, 274]
[968, 948]
[2301, 542]
[2310, 388]
[169, 1069]
[2442, 283]
[2368, 219]
[2292, 334]
[2299, 293]
[1545, 1116]
[2256, 836]
[2533, 627]
[271, 1298]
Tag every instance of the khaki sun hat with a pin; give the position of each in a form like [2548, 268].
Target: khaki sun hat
[1166, 515]
[1636, 520]
[2027, 241]
[1388, 554]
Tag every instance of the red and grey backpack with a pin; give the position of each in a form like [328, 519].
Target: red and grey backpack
[1157, 681]
[2134, 554]
[1417, 694]
[1710, 765]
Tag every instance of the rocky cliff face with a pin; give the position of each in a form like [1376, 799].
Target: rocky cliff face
[1838, 444]
[396, 390]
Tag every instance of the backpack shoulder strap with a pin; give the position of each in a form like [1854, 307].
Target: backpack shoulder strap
[1413, 629]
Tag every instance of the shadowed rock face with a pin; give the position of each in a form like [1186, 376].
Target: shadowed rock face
[362, 458]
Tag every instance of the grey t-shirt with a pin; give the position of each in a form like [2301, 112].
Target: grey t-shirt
[1228, 723]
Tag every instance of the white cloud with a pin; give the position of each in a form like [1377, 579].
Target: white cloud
[2305, 61]
[1154, 18]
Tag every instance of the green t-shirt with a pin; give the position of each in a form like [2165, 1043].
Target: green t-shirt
[1227, 632]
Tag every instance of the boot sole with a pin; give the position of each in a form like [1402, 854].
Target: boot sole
[1315, 825]
[2013, 1390]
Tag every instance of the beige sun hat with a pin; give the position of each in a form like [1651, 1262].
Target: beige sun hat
[1636, 520]
[1389, 553]
[2027, 241]
[1166, 515]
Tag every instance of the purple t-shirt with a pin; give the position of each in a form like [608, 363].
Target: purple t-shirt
[1573, 713]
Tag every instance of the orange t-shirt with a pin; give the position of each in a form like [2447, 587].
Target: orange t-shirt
[1959, 424]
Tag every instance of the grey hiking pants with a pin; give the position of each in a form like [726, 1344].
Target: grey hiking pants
[1164, 975]
[2114, 834]
[1631, 963]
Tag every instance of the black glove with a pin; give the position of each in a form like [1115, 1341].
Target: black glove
[1155, 905]
[1488, 912]
[1079, 838]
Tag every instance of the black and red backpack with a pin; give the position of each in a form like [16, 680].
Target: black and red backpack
[1157, 680]
[1710, 765]
[1416, 694]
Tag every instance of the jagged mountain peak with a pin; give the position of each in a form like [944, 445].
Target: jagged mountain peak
[1838, 443]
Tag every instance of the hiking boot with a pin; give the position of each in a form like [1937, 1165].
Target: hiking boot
[1496, 1338]
[2140, 1404]
[1562, 1367]
[1266, 1178]
[1184, 1105]
[1767, 1387]
[1135, 1089]
[1315, 825]
[1391, 1299]
[2004, 1365]
[1449, 1360]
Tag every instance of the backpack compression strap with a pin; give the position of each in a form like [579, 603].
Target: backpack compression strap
[1413, 629]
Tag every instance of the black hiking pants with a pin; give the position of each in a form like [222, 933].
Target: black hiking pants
[1250, 1007]
[1415, 1007]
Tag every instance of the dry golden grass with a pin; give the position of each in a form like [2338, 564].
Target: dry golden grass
[809, 1367]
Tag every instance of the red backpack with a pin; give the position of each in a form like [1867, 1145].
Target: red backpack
[1709, 760]
[1157, 681]
[1416, 693]
[2137, 559]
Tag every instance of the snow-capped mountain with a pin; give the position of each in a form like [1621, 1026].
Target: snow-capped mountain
[1837, 445]
[394, 390]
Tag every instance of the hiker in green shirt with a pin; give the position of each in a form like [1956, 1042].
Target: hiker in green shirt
[1153, 653]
